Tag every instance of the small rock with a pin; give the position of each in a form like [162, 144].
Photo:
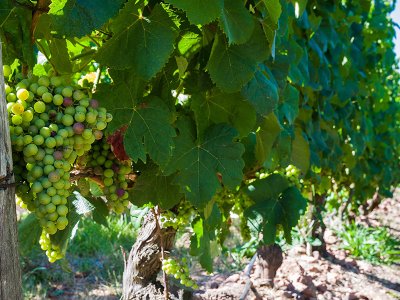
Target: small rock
[233, 278]
[331, 277]
[351, 261]
[213, 285]
[351, 296]
[322, 288]
[316, 254]
[308, 291]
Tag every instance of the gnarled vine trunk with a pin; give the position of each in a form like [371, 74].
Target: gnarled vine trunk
[10, 271]
[144, 263]
[318, 225]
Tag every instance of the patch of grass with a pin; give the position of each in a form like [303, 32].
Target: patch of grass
[374, 244]
[94, 255]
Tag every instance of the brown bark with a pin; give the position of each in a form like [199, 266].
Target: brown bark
[318, 225]
[144, 262]
[10, 271]
[269, 260]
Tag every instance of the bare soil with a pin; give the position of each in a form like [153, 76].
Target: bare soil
[337, 276]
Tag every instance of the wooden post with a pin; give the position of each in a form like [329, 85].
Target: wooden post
[10, 269]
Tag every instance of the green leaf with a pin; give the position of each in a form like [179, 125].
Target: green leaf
[262, 91]
[232, 66]
[150, 132]
[100, 211]
[195, 9]
[274, 9]
[236, 21]
[266, 137]
[300, 156]
[59, 57]
[29, 232]
[120, 97]
[153, 186]
[77, 206]
[76, 18]
[219, 107]
[198, 162]
[275, 204]
[200, 244]
[141, 43]
[15, 33]
[290, 106]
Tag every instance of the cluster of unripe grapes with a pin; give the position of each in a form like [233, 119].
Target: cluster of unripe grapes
[51, 124]
[179, 271]
[113, 174]
[53, 252]
[183, 216]
[292, 173]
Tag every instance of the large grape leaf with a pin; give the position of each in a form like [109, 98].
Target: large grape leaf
[262, 91]
[300, 155]
[141, 43]
[219, 107]
[236, 21]
[154, 186]
[266, 136]
[120, 97]
[200, 12]
[76, 18]
[232, 66]
[198, 162]
[15, 33]
[275, 204]
[149, 131]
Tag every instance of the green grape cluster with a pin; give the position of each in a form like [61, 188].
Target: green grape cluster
[169, 219]
[179, 271]
[51, 124]
[113, 174]
[292, 173]
[53, 252]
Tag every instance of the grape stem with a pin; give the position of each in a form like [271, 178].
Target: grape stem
[165, 278]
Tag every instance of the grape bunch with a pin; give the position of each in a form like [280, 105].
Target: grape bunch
[292, 173]
[53, 251]
[179, 271]
[51, 124]
[112, 173]
[183, 216]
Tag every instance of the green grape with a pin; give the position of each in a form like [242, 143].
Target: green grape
[39, 107]
[7, 70]
[22, 94]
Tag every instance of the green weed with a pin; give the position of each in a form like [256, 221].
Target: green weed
[374, 244]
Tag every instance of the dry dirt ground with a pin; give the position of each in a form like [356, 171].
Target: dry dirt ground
[312, 277]
[300, 277]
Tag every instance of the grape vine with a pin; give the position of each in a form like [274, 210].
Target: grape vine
[257, 114]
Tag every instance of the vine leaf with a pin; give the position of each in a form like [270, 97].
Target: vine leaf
[300, 152]
[150, 132]
[76, 18]
[141, 43]
[262, 91]
[195, 9]
[275, 204]
[237, 22]
[198, 163]
[120, 97]
[153, 186]
[232, 66]
[219, 107]
[266, 136]
[200, 244]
